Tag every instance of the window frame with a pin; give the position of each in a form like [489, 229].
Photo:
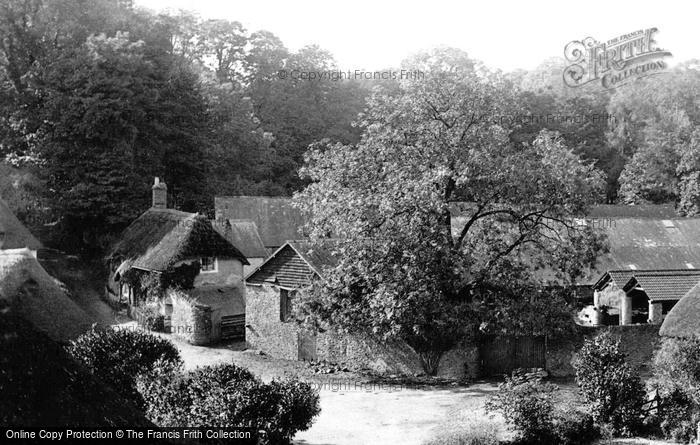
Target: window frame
[215, 265]
[286, 299]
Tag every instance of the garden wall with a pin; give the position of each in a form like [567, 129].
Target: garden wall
[638, 341]
[191, 321]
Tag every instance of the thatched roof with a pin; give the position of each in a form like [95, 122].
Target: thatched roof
[159, 238]
[276, 218]
[42, 386]
[684, 319]
[244, 235]
[30, 292]
[17, 235]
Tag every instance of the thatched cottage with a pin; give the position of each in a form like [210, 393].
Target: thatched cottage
[13, 234]
[180, 250]
[29, 292]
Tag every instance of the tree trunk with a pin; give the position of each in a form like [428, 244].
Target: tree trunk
[430, 361]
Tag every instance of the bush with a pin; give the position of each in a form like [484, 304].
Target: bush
[150, 318]
[225, 396]
[678, 417]
[676, 367]
[119, 356]
[527, 407]
[574, 427]
[611, 386]
[472, 433]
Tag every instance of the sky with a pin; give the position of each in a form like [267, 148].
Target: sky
[377, 34]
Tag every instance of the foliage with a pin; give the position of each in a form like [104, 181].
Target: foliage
[528, 408]
[573, 427]
[657, 132]
[119, 356]
[226, 395]
[676, 377]
[475, 432]
[676, 367]
[609, 384]
[152, 318]
[411, 258]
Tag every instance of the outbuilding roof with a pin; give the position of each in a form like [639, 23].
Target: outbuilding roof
[295, 265]
[664, 285]
[244, 235]
[276, 219]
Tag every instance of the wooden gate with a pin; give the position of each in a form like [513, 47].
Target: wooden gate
[501, 355]
[233, 327]
[307, 346]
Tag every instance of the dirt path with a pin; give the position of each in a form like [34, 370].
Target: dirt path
[83, 281]
[403, 416]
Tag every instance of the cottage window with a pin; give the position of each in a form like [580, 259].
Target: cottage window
[208, 264]
[286, 298]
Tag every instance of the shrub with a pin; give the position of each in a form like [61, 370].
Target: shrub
[574, 427]
[527, 407]
[151, 318]
[611, 386]
[226, 395]
[678, 417]
[119, 356]
[676, 367]
[472, 433]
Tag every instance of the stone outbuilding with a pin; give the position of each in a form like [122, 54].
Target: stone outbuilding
[271, 327]
[643, 296]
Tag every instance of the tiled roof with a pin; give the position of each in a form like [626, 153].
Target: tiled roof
[294, 265]
[665, 285]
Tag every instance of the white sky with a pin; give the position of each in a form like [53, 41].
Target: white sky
[376, 34]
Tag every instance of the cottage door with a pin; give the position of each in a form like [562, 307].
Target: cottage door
[307, 345]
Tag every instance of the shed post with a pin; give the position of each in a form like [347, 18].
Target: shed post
[655, 312]
[625, 309]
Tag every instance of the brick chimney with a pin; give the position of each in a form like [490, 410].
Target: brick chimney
[160, 194]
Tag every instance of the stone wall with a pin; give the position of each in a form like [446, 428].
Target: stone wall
[265, 331]
[638, 341]
[191, 321]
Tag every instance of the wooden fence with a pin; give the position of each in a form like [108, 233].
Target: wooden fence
[502, 354]
[233, 327]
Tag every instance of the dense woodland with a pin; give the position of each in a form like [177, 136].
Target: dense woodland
[98, 97]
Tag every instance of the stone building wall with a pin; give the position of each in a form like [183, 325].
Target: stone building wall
[265, 331]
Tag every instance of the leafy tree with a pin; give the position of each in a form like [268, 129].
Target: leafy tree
[409, 267]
